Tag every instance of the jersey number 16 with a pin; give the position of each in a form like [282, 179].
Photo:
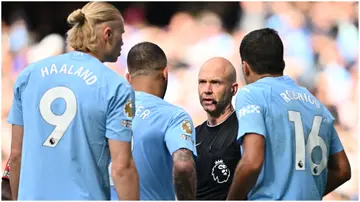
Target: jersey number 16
[313, 140]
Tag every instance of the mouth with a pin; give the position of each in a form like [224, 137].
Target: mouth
[207, 101]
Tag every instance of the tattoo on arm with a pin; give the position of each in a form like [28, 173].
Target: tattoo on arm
[184, 175]
[183, 155]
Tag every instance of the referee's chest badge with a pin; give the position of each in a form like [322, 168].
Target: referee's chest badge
[220, 172]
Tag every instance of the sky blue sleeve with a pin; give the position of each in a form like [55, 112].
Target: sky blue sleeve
[335, 143]
[120, 113]
[181, 134]
[250, 113]
[15, 115]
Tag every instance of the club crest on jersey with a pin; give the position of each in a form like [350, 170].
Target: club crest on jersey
[220, 172]
[186, 127]
[129, 109]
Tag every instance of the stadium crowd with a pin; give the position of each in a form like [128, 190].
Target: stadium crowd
[321, 51]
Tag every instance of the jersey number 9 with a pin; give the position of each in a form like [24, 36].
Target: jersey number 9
[61, 122]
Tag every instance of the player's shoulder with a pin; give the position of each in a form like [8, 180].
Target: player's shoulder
[180, 118]
[50, 60]
[177, 112]
[168, 114]
[254, 92]
[157, 102]
[114, 83]
[39, 64]
[327, 114]
[45, 62]
[254, 89]
[118, 80]
[25, 74]
[114, 78]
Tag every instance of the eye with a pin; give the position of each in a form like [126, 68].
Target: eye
[215, 82]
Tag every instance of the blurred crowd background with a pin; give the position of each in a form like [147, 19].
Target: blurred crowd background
[320, 39]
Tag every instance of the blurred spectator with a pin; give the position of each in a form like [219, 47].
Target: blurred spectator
[253, 16]
[214, 41]
[51, 45]
[321, 53]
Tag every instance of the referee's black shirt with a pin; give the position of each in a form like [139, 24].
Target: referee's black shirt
[218, 155]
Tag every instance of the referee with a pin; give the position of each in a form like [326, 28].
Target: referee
[218, 151]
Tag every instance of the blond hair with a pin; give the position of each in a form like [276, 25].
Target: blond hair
[82, 36]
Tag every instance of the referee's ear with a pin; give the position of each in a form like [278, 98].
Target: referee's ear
[128, 77]
[234, 88]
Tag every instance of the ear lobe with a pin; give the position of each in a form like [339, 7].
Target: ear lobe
[128, 77]
[107, 33]
[165, 72]
[234, 88]
[245, 68]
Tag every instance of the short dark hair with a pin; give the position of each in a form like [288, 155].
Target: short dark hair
[145, 58]
[263, 50]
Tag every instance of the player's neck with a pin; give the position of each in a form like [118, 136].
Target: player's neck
[214, 120]
[260, 76]
[150, 86]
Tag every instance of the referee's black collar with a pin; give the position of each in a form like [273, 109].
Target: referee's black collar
[213, 126]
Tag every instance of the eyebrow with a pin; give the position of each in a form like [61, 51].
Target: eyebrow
[211, 80]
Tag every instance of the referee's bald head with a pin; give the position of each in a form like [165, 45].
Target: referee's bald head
[222, 65]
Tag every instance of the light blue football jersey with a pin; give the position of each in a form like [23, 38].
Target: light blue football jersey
[159, 130]
[69, 105]
[299, 138]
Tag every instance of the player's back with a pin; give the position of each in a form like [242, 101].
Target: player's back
[157, 131]
[65, 152]
[299, 132]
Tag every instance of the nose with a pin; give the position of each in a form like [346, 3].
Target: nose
[207, 88]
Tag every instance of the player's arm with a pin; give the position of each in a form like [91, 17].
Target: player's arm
[16, 119]
[180, 140]
[119, 134]
[15, 158]
[184, 173]
[249, 167]
[5, 184]
[123, 171]
[251, 135]
[339, 170]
